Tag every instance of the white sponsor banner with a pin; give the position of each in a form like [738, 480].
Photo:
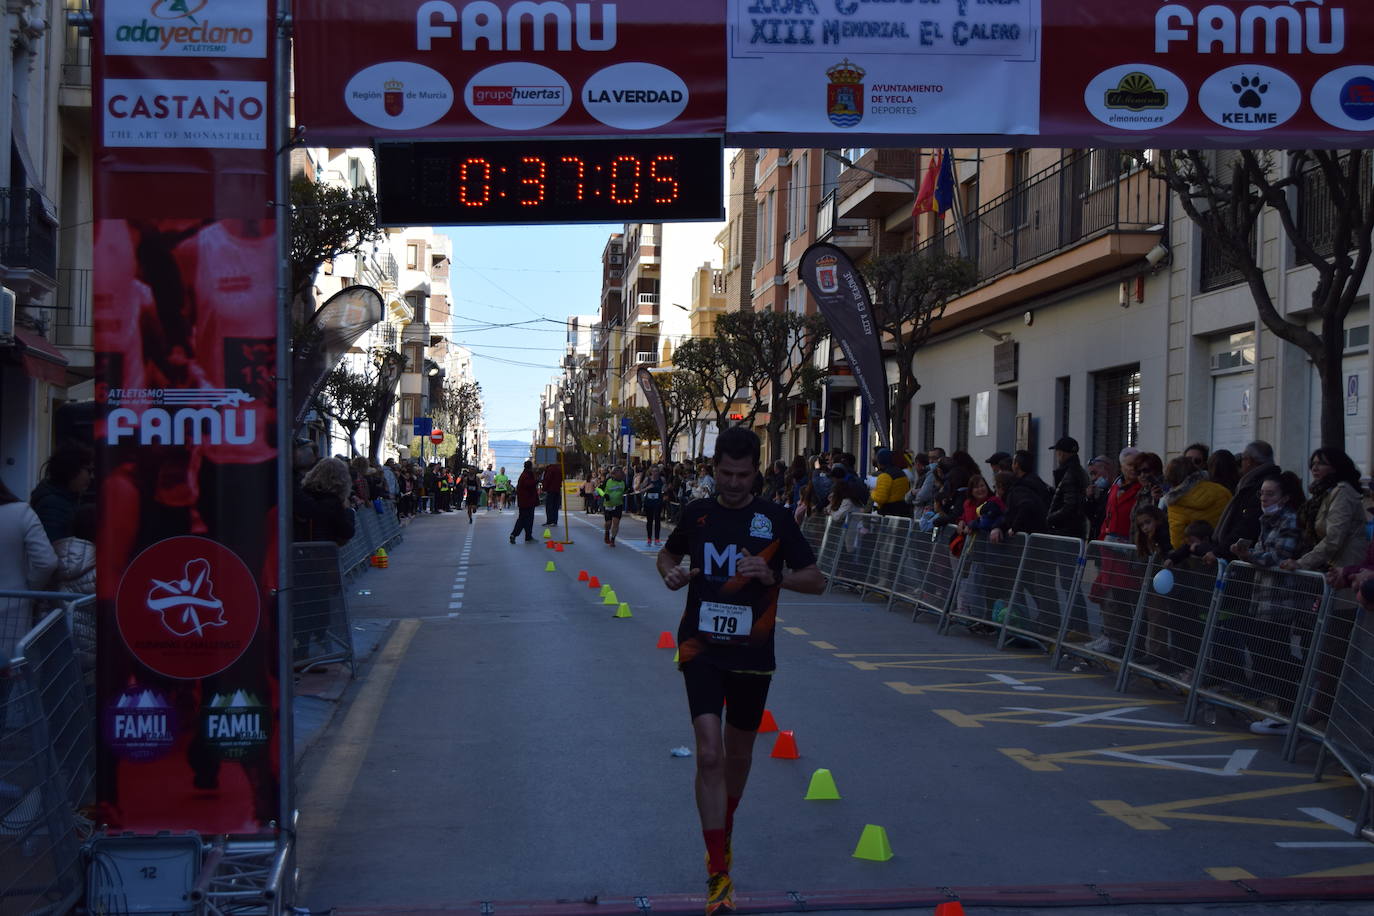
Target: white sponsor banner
[192, 114]
[186, 28]
[879, 66]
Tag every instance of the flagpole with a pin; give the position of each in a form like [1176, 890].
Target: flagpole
[957, 208]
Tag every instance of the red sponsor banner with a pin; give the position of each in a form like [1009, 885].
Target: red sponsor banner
[1270, 73]
[186, 340]
[484, 68]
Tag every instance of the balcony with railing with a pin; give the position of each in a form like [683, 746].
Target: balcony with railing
[848, 234]
[1064, 225]
[1317, 213]
[28, 241]
[75, 81]
[72, 322]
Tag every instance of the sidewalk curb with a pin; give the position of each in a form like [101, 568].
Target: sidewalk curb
[317, 695]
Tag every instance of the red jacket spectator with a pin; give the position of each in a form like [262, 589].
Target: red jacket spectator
[553, 478]
[1120, 506]
[527, 491]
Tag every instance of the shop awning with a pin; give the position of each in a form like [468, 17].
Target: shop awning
[40, 359]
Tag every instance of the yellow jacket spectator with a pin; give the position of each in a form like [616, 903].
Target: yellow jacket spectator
[889, 493]
[1191, 497]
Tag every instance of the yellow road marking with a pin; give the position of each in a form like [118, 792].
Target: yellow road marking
[1030, 760]
[1229, 874]
[795, 631]
[958, 718]
[1348, 871]
[821, 644]
[324, 804]
[1155, 815]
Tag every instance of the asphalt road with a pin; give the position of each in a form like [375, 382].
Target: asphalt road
[511, 739]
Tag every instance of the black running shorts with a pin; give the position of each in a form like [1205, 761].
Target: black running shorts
[742, 695]
[614, 513]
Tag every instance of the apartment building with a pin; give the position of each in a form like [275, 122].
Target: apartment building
[1098, 311]
[46, 356]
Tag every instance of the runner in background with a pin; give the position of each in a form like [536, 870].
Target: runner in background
[612, 494]
[489, 487]
[502, 489]
[472, 491]
[653, 507]
[737, 545]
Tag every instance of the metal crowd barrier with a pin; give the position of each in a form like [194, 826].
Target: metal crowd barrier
[1268, 644]
[47, 759]
[813, 529]
[1349, 735]
[320, 633]
[371, 530]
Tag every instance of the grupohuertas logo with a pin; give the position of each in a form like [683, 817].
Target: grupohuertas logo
[235, 724]
[186, 28]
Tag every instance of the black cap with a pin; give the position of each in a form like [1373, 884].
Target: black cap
[1066, 444]
[998, 458]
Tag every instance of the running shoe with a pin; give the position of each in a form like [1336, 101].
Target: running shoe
[720, 894]
[606, 537]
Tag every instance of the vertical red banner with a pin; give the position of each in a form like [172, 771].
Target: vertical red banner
[186, 339]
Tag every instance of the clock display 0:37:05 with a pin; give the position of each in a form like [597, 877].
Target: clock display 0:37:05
[541, 181]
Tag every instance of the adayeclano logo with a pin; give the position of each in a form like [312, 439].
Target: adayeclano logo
[186, 28]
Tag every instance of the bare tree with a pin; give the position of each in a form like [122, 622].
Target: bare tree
[911, 290]
[346, 396]
[683, 398]
[1325, 201]
[387, 365]
[326, 221]
[459, 408]
[777, 350]
[721, 370]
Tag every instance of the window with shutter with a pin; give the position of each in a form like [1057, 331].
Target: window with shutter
[1116, 409]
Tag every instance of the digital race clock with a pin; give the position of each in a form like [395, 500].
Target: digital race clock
[629, 179]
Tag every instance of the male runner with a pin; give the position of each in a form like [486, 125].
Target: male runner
[489, 487]
[502, 488]
[738, 545]
[613, 502]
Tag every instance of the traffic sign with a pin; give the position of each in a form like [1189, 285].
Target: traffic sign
[437, 437]
[625, 427]
[423, 426]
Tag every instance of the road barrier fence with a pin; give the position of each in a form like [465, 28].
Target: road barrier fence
[47, 751]
[1272, 646]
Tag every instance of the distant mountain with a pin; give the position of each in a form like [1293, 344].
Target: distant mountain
[509, 445]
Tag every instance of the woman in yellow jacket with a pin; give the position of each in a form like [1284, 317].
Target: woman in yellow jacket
[889, 493]
[1191, 497]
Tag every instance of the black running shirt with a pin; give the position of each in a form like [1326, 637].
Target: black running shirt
[730, 621]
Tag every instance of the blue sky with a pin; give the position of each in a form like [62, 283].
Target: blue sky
[520, 275]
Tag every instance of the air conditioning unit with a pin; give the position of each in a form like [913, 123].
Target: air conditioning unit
[7, 306]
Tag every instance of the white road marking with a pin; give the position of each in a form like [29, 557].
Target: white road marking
[1236, 761]
[1013, 682]
[454, 605]
[1113, 716]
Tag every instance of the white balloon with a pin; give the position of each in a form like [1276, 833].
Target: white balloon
[1164, 581]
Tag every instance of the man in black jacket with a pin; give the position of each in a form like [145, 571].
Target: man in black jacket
[1067, 515]
[1028, 500]
[1241, 518]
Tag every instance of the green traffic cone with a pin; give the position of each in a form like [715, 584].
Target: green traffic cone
[623, 610]
[548, 567]
[873, 844]
[822, 787]
[610, 599]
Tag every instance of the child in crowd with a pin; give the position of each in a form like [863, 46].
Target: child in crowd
[1197, 537]
[1151, 527]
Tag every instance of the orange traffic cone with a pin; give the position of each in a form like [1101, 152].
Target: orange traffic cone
[593, 582]
[768, 723]
[785, 747]
[558, 546]
[581, 575]
[548, 545]
[949, 908]
[665, 641]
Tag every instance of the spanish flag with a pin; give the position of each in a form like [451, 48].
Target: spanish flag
[937, 188]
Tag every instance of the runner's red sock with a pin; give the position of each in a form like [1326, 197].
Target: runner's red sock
[730, 805]
[715, 851]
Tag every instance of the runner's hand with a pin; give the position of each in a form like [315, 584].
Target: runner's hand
[755, 568]
[678, 577]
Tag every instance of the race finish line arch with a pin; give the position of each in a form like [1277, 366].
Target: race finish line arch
[514, 112]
